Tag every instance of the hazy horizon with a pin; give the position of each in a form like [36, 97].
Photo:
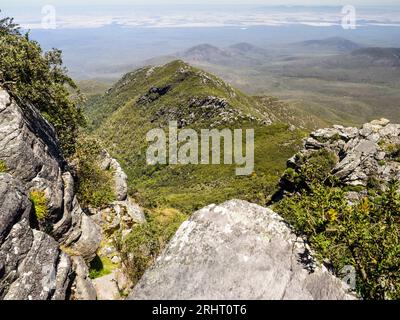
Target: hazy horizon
[98, 38]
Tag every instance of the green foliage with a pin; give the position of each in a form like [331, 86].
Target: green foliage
[381, 162]
[365, 235]
[39, 201]
[394, 151]
[3, 166]
[313, 168]
[146, 241]
[39, 78]
[95, 187]
[129, 110]
[100, 266]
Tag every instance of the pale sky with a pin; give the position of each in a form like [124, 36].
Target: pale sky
[6, 3]
[187, 13]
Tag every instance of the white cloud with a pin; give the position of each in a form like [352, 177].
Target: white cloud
[209, 17]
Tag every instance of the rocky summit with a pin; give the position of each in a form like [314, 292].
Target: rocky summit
[365, 157]
[237, 250]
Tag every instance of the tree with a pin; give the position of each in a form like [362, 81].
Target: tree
[39, 78]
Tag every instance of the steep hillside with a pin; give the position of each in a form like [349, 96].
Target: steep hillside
[329, 80]
[151, 97]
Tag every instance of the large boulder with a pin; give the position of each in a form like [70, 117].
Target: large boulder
[237, 250]
[32, 266]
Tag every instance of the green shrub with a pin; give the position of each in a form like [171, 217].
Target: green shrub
[39, 201]
[394, 151]
[100, 266]
[365, 235]
[3, 166]
[313, 168]
[95, 187]
[39, 78]
[146, 241]
[373, 183]
[354, 188]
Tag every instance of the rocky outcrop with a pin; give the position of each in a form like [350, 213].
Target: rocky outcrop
[32, 266]
[120, 178]
[237, 250]
[29, 147]
[112, 286]
[115, 220]
[366, 155]
[82, 287]
[31, 263]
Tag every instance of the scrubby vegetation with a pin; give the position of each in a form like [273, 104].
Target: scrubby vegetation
[39, 201]
[365, 235]
[101, 266]
[394, 152]
[138, 103]
[313, 167]
[95, 186]
[39, 78]
[146, 241]
[3, 166]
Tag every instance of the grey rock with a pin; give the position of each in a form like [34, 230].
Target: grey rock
[64, 271]
[13, 251]
[391, 130]
[120, 178]
[311, 143]
[131, 209]
[237, 250]
[31, 263]
[366, 147]
[89, 240]
[29, 146]
[63, 226]
[361, 153]
[380, 122]
[107, 287]
[37, 272]
[82, 287]
[14, 203]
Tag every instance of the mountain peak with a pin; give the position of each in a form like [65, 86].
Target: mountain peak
[336, 43]
[204, 52]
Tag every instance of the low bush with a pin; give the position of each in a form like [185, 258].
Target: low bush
[146, 241]
[39, 201]
[365, 235]
[100, 266]
[3, 166]
[95, 187]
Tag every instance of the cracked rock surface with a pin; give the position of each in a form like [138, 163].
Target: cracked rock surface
[32, 266]
[237, 250]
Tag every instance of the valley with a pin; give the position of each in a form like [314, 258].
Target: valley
[253, 155]
[151, 97]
